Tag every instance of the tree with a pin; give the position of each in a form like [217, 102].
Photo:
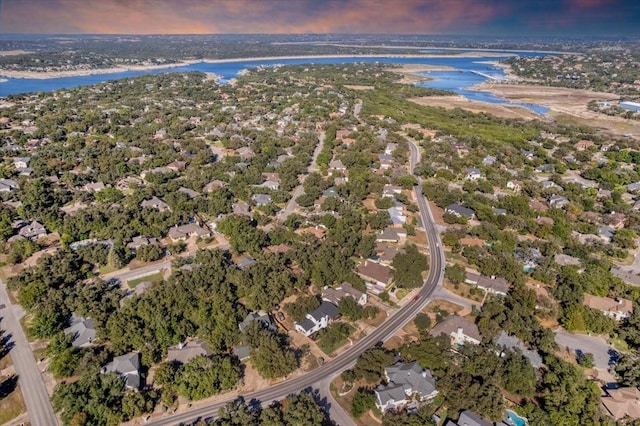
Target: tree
[205, 376]
[409, 267]
[372, 363]
[586, 360]
[363, 401]
[422, 321]
[455, 273]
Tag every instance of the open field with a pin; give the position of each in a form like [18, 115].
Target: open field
[568, 106]
[459, 101]
[11, 406]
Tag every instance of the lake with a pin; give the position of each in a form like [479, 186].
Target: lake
[455, 81]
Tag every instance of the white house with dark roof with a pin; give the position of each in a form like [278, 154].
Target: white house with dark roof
[473, 174]
[404, 381]
[318, 319]
[128, 367]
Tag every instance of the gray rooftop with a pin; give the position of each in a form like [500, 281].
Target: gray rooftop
[513, 343]
[82, 329]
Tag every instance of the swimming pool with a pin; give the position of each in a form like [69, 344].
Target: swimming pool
[515, 419]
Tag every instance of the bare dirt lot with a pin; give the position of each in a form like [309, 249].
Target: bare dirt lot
[567, 106]
[458, 101]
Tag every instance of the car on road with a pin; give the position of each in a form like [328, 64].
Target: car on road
[416, 297]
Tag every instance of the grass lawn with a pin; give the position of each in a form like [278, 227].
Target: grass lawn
[11, 406]
[106, 269]
[154, 278]
[619, 344]
[401, 293]
[334, 336]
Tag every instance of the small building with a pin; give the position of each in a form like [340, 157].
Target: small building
[583, 145]
[405, 380]
[616, 309]
[8, 185]
[213, 185]
[82, 330]
[471, 418]
[190, 193]
[566, 260]
[391, 235]
[185, 352]
[335, 294]
[94, 187]
[318, 319]
[630, 106]
[128, 367]
[489, 160]
[460, 330]
[390, 191]
[514, 185]
[21, 162]
[139, 241]
[261, 199]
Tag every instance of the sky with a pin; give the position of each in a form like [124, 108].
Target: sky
[463, 17]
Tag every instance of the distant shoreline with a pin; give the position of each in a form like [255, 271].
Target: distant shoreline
[44, 75]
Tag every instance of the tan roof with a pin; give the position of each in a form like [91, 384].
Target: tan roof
[452, 323]
[375, 271]
[607, 304]
[623, 402]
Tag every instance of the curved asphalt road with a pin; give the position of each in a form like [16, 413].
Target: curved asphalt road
[348, 358]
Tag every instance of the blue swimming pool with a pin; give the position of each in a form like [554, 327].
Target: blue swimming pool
[515, 419]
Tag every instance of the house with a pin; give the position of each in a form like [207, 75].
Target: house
[139, 241]
[529, 257]
[404, 380]
[506, 341]
[94, 187]
[489, 160]
[33, 231]
[558, 202]
[21, 162]
[8, 185]
[499, 212]
[514, 185]
[376, 274]
[391, 235]
[396, 214]
[615, 220]
[185, 352]
[128, 367]
[155, 203]
[495, 285]
[213, 185]
[386, 161]
[622, 402]
[176, 166]
[460, 211]
[82, 330]
[317, 231]
[269, 184]
[335, 294]
[262, 317]
[183, 232]
[190, 193]
[549, 184]
[318, 319]
[470, 418]
[390, 148]
[385, 253]
[244, 262]
[460, 330]
[337, 166]
[390, 191]
[566, 260]
[261, 199]
[241, 209]
[616, 309]
[473, 174]
[245, 153]
[528, 154]
[633, 187]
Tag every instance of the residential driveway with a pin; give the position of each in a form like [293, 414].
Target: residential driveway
[604, 354]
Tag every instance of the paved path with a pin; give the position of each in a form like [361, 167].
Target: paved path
[336, 412]
[603, 353]
[292, 205]
[30, 379]
[347, 359]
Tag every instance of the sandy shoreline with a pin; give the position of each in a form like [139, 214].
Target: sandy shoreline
[79, 73]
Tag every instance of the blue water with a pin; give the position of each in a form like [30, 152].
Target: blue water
[515, 419]
[454, 81]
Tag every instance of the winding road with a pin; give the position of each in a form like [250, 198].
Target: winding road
[348, 358]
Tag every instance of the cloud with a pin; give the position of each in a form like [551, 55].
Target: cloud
[245, 16]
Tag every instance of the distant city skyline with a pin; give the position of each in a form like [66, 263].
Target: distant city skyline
[464, 17]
